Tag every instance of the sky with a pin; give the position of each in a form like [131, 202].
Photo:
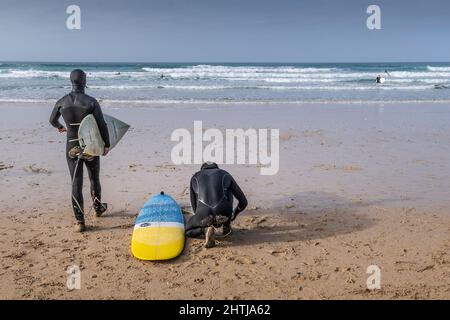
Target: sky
[225, 31]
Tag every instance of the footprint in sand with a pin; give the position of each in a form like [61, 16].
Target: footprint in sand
[346, 168]
[5, 166]
[35, 169]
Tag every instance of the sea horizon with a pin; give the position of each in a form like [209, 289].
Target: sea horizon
[217, 62]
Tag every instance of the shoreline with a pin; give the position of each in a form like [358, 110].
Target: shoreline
[218, 104]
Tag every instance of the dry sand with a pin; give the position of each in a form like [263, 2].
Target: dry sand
[358, 185]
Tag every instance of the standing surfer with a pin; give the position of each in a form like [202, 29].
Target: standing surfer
[212, 190]
[73, 107]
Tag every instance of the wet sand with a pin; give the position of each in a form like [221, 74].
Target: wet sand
[358, 185]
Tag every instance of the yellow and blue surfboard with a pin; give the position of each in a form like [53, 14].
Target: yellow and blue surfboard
[159, 230]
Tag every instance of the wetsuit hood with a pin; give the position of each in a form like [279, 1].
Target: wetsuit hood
[209, 165]
[78, 79]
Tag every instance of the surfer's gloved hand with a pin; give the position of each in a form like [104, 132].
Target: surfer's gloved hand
[105, 151]
[62, 129]
[235, 213]
[238, 210]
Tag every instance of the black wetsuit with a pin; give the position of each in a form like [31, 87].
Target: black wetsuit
[212, 191]
[74, 107]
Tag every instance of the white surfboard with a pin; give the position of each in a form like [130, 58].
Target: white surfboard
[90, 138]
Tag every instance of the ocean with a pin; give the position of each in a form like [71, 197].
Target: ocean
[129, 83]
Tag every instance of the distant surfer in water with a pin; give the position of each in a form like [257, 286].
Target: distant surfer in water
[212, 190]
[74, 107]
[378, 79]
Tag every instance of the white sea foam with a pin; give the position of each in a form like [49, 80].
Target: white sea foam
[174, 102]
[438, 69]
[229, 82]
[31, 73]
[240, 69]
[349, 88]
[231, 73]
[420, 74]
[261, 87]
[122, 87]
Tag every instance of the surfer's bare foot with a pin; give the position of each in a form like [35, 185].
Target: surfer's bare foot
[209, 238]
[80, 226]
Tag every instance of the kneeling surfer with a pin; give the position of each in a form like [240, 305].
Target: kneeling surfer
[212, 190]
[74, 107]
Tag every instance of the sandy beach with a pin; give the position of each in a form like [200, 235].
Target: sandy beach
[358, 185]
